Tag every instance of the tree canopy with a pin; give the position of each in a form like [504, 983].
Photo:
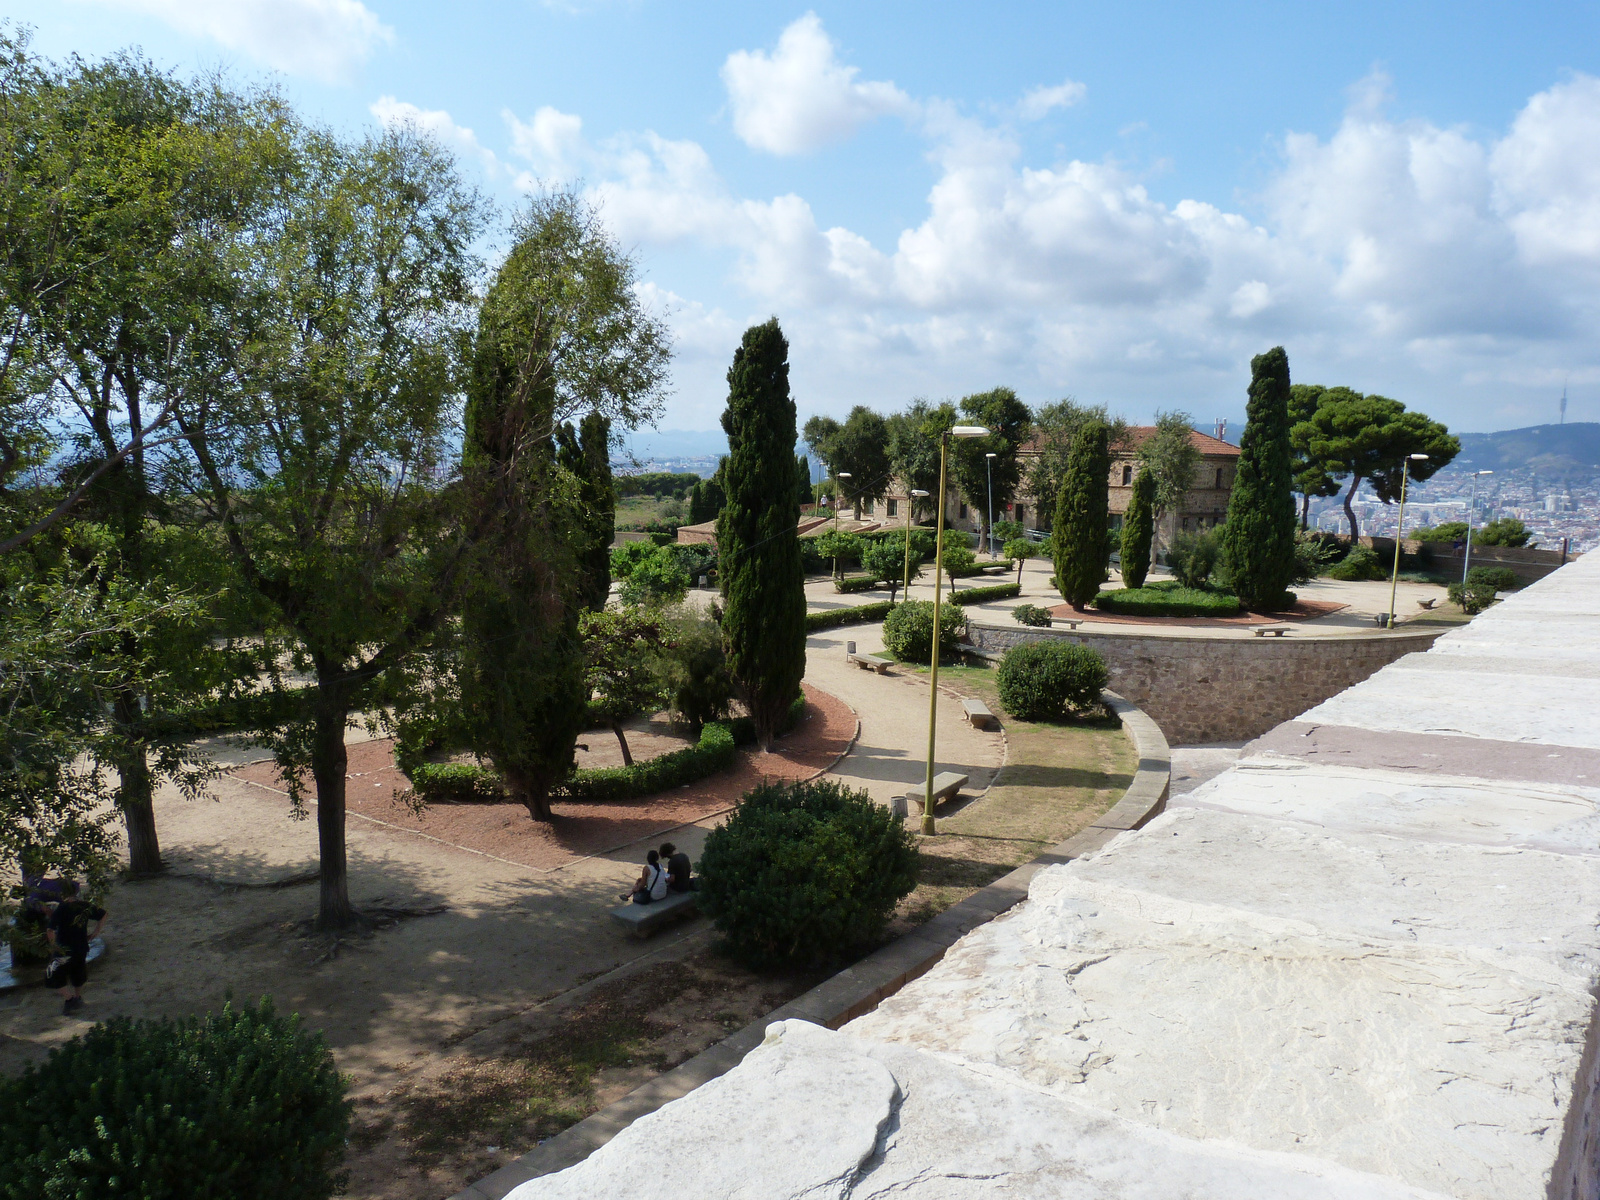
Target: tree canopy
[1009, 423]
[1054, 428]
[1258, 537]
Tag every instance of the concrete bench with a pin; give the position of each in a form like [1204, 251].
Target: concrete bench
[946, 785]
[1069, 622]
[1274, 630]
[978, 714]
[870, 662]
[641, 920]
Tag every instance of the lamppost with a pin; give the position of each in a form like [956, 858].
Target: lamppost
[1472, 508]
[838, 514]
[988, 471]
[1399, 529]
[916, 494]
[960, 431]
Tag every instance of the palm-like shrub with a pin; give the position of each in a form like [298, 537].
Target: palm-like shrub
[239, 1103]
[1031, 614]
[1192, 557]
[1047, 681]
[805, 873]
[908, 630]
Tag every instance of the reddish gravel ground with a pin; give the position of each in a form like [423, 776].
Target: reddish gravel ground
[581, 830]
[1304, 610]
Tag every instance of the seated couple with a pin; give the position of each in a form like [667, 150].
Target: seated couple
[664, 871]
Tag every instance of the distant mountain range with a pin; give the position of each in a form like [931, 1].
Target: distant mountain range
[1552, 451]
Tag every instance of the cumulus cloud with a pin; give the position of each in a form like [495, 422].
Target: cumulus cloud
[391, 112]
[1043, 100]
[325, 39]
[800, 98]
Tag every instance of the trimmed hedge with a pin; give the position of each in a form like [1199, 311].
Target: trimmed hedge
[241, 1103]
[1049, 680]
[456, 783]
[1167, 599]
[908, 631]
[1501, 579]
[847, 616]
[855, 583]
[805, 873]
[982, 595]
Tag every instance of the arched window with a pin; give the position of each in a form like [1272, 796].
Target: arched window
[1219, 478]
[1127, 474]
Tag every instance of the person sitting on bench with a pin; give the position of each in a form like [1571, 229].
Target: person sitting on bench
[652, 882]
[679, 877]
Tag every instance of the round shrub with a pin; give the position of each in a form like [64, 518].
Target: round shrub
[659, 579]
[1360, 563]
[1501, 579]
[239, 1103]
[959, 561]
[805, 873]
[1473, 596]
[1030, 614]
[908, 630]
[1046, 681]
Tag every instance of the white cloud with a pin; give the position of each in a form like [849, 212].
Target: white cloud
[799, 97]
[1043, 100]
[552, 141]
[325, 39]
[391, 112]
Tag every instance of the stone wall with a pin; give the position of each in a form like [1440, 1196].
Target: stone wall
[1201, 688]
[1529, 565]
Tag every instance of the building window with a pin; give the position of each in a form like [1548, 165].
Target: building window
[1127, 475]
[1022, 514]
[1219, 478]
[963, 512]
[866, 508]
[890, 507]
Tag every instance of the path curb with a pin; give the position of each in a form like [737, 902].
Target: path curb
[860, 988]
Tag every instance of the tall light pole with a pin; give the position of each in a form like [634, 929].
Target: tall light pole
[988, 470]
[960, 431]
[1400, 528]
[1472, 508]
[916, 493]
[838, 515]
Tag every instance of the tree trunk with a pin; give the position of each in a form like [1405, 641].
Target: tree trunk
[328, 765]
[622, 740]
[1349, 510]
[134, 794]
[529, 793]
[1305, 511]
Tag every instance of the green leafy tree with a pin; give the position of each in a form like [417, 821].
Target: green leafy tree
[1054, 428]
[659, 579]
[1081, 534]
[1009, 423]
[1368, 439]
[1506, 531]
[694, 669]
[621, 652]
[885, 560]
[1311, 477]
[858, 448]
[706, 498]
[1138, 529]
[914, 450]
[1019, 550]
[1258, 537]
[762, 573]
[1171, 456]
[1447, 531]
[585, 453]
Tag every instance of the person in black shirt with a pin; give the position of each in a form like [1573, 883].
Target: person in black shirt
[68, 930]
[678, 868]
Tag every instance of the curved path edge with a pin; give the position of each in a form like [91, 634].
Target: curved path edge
[860, 988]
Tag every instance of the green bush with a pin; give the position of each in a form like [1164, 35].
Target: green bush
[1450, 531]
[1507, 531]
[805, 873]
[658, 579]
[1501, 579]
[713, 753]
[908, 630]
[982, 595]
[1192, 557]
[1360, 563]
[628, 555]
[240, 1103]
[694, 670]
[1049, 680]
[857, 615]
[1030, 614]
[1312, 554]
[855, 583]
[1473, 596]
[456, 783]
[1167, 598]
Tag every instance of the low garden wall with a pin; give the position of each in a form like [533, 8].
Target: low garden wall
[1529, 565]
[1201, 688]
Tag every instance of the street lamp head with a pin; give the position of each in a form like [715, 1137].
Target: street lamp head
[1417, 457]
[1477, 473]
[844, 475]
[969, 431]
[991, 454]
[920, 494]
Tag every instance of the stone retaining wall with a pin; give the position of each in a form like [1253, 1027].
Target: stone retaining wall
[1201, 688]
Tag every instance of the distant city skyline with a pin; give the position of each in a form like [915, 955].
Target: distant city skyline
[1121, 204]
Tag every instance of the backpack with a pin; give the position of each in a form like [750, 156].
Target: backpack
[658, 885]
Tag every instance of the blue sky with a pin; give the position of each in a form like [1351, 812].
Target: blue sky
[1116, 202]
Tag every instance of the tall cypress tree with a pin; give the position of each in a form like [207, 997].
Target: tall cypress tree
[764, 618]
[586, 452]
[1258, 538]
[1081, 533]
[1138, 527]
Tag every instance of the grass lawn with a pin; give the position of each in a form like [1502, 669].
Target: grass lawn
[1057, 779]
[1167, 598]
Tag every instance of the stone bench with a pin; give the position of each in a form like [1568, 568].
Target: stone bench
[1274, 630]
[870, 662]
[946, 785]
[1069, 622]
[978, 714]
[641, 920]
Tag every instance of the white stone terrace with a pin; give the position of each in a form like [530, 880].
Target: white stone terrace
[1360, 963]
